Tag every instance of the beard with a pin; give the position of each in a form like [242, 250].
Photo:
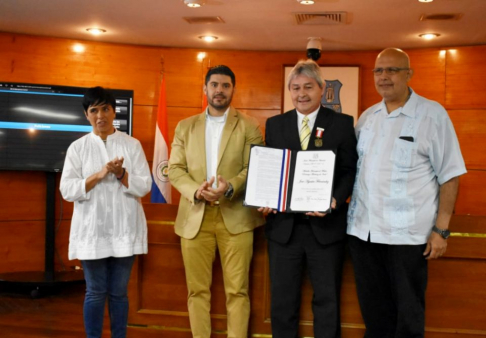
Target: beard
[222, 104]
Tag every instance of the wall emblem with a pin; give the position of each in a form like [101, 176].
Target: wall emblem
[331, 98]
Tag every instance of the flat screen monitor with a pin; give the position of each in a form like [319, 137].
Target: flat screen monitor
[39, 122]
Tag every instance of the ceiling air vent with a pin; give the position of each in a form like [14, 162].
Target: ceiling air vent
[440, 17]
[322, 18]
[203, 19]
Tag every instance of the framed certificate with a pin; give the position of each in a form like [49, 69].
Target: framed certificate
[290, 181]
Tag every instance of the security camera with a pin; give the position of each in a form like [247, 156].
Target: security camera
[314, 48]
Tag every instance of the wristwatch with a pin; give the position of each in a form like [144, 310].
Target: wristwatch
[229, 192]
[444, 233]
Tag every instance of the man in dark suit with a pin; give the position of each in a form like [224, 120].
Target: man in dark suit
[314, 239]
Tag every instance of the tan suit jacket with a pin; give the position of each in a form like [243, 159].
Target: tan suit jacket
[187, 171]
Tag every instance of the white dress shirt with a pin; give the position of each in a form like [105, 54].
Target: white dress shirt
[214, 130]
[108, 220]
[396, 193]
[312, 120]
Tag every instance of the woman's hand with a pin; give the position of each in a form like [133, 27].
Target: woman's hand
[115, 166]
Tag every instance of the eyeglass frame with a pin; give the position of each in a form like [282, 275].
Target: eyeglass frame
[388, 70]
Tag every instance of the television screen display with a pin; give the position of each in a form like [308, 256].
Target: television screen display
[39, 122]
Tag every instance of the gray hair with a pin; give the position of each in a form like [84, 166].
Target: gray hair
[307, 68]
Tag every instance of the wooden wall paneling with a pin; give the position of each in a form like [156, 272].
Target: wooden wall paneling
[471, 199]
[261, 116]
[22, 246]
[470, 126]
[441, 334]
[144, 123]
[468, 224]
[465, 78]
[429, 73]
[22, 195]
[456, 295]
[163, 280]
[160, 212]
[184, 77]
[471, 247]
[6, 57]
[468, 237]
[103, 64]
[157, 332]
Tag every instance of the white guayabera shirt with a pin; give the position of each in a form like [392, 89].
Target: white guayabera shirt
[108, 221]
[404, 157]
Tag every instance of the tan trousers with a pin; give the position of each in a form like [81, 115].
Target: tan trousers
[199, 254]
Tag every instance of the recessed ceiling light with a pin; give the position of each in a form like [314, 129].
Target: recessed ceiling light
[429, 36]
[306, 2]
[193, 3]
[208, 38]
[425, 0]
[96, 31]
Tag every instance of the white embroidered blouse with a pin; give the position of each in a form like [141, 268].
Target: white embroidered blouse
[108, 221]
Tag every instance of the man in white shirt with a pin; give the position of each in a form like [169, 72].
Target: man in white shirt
[403, 198]
[208, 165]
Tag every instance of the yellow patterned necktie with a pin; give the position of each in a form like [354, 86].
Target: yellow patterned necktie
[304, 133]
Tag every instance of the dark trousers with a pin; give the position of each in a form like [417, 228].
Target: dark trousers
[391, 282]
[324, 264]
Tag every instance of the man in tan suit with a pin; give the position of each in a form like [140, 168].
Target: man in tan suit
[208, 165]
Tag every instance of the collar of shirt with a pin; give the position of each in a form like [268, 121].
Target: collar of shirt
[312, 119]
[408, 109]
[217, 119]
[110, 137]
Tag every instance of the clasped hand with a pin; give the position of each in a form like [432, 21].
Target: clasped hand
[115, 167]
[208, 193]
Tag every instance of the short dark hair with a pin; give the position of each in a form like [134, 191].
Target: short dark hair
[98, 95]
[223, 70]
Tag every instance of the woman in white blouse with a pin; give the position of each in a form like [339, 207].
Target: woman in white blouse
[105, 174]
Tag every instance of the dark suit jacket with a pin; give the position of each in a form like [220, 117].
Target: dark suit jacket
[282, 132]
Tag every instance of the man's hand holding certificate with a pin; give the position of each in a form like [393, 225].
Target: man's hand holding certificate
[291, 181]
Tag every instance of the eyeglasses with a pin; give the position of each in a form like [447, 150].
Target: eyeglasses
[388, 70]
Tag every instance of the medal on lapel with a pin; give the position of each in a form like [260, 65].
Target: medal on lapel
[318, 140]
